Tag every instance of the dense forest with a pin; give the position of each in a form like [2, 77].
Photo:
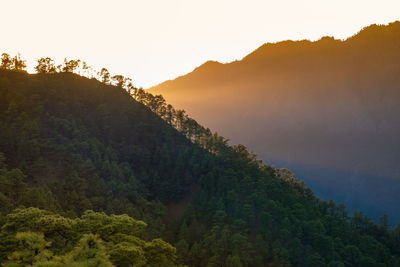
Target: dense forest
[96, 172]
[328, 109]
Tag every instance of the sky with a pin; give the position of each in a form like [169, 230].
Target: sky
[155, 40]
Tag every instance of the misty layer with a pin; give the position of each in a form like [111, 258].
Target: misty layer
[329, 103]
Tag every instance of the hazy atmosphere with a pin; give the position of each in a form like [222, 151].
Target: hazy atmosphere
[200, 133]
[153, 41]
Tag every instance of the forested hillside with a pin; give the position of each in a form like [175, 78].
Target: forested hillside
[329, 104]
[75, 151]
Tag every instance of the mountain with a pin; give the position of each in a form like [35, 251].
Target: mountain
[75, 151]
[329, 104]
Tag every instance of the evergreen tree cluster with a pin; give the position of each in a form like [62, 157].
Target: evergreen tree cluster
[75, 149]
[47, 239]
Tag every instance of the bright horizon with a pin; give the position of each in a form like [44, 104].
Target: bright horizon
[153, 41]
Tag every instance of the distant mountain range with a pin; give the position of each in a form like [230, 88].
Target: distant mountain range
[329, 104]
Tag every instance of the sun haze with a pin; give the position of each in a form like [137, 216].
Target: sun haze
[152, 41]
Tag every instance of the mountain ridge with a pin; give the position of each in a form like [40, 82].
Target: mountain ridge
[365, 32]
[70, 144]
[328, 103]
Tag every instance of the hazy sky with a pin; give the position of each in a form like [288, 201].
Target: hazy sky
[152, 41]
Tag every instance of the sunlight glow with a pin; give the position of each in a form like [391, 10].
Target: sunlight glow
[152, 41]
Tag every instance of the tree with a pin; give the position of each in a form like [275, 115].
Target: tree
[70, 65]
[351, 255]
[233, 261]
[45, 65]
[128, 254]
[12, 184]
[15, 63]
[128, 84]
[160, 253]
[18, 63]
[118, 80]
[384, 222]
[95, 231]
[107, 152]
[315, 260]
[31, 248]
[105, 76]
[6, 61]
[90, 251]
[129, 87]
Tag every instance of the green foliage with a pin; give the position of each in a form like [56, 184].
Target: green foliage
[31, 248]
[88, 252]
[336, 264]
[70, 144]
[315, 260]
[128, 254]
[94, 239]
[160, 253]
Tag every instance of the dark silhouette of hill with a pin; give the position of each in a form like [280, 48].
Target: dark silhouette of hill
[70, 144]
[329, 104]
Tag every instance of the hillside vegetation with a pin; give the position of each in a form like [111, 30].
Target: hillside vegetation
[74, 151]
[329, 104]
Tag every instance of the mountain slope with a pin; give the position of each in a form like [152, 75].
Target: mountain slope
[69, 144]
[327, 104]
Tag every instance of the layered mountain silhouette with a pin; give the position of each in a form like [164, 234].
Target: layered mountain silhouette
[330, 105]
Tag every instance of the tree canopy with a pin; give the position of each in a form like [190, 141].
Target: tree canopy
[74, 150]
